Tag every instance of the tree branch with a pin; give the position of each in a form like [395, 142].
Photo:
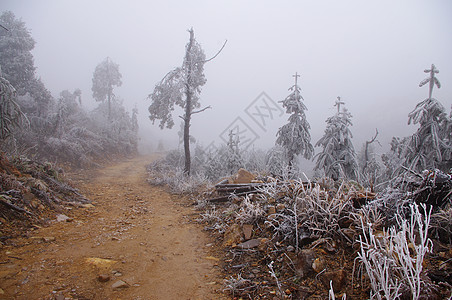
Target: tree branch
[201, 110]
[219, 51]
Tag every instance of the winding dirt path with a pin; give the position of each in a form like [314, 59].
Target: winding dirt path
[135, 233]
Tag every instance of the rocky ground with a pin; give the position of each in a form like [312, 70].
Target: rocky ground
[262, 260]
[132, 241]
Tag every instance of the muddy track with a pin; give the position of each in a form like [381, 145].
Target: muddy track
[134, 233]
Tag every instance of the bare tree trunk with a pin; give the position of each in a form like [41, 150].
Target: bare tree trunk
[188, 104]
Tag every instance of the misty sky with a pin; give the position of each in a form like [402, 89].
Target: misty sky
[371, 53]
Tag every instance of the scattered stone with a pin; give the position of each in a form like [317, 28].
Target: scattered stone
[212, 258]
[48, 239]
[116, 273]
[249, 244]
[88, 205]
[2, 292]
[263, 245]
[120, 285]
[244, 176]
[247, 231]
[290, 248]
[100, 262]
[59, 297]
[303, 262]
[103, 277]
[280, 207]
[271, 210]
[232, 236]
[63, 218]
[115, 239]
[318, 265]
[338, 277]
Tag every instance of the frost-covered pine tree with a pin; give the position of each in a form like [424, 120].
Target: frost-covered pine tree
[430, 146]
[338, 157]
[295, 136]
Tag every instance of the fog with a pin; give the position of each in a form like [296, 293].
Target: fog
[372, 54]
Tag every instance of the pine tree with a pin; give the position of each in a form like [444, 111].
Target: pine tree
[294, 136]
[338, 157]
[430, 146]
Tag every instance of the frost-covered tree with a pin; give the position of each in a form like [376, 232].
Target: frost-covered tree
[233, 158]
[181, 87]
[11, 116]
[106, 75]
[16, 58]
[295, 136]
[338, 157]
[430, 146]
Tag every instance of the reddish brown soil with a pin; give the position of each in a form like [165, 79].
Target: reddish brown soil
[147, 237]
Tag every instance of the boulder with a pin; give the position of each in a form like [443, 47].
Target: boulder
[244, 176]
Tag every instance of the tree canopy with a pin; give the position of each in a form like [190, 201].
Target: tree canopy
[16, 58]
[105, 77]
[295, 136]
[338, 157]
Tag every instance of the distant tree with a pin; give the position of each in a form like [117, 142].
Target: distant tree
[430, 146]
[181, 87]
[233, 157]
[11, 116]
[16, 59]
[338, 157]
[106, 75]
[294, 136]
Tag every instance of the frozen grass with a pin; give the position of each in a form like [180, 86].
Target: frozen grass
[394, 260]
[249, 212]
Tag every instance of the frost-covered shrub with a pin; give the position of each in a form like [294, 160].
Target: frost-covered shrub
[250, 212]
[310, 211]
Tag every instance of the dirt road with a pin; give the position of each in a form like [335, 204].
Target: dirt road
[136, 235]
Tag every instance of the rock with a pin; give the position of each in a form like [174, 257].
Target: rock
[103, 277]
[232, 236]
[290, 248]
[88, 205]
[271, 210]
[244, 176]
[338, 277]
[120, 285]
[59, 297]
[249, 244]
[263, 246]
[62, 218]
[100, 262]
[2, 292]
[247, 231]
[280, 207]
[303, 262]
[48, 239]
[318, 265]
[212, 258]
